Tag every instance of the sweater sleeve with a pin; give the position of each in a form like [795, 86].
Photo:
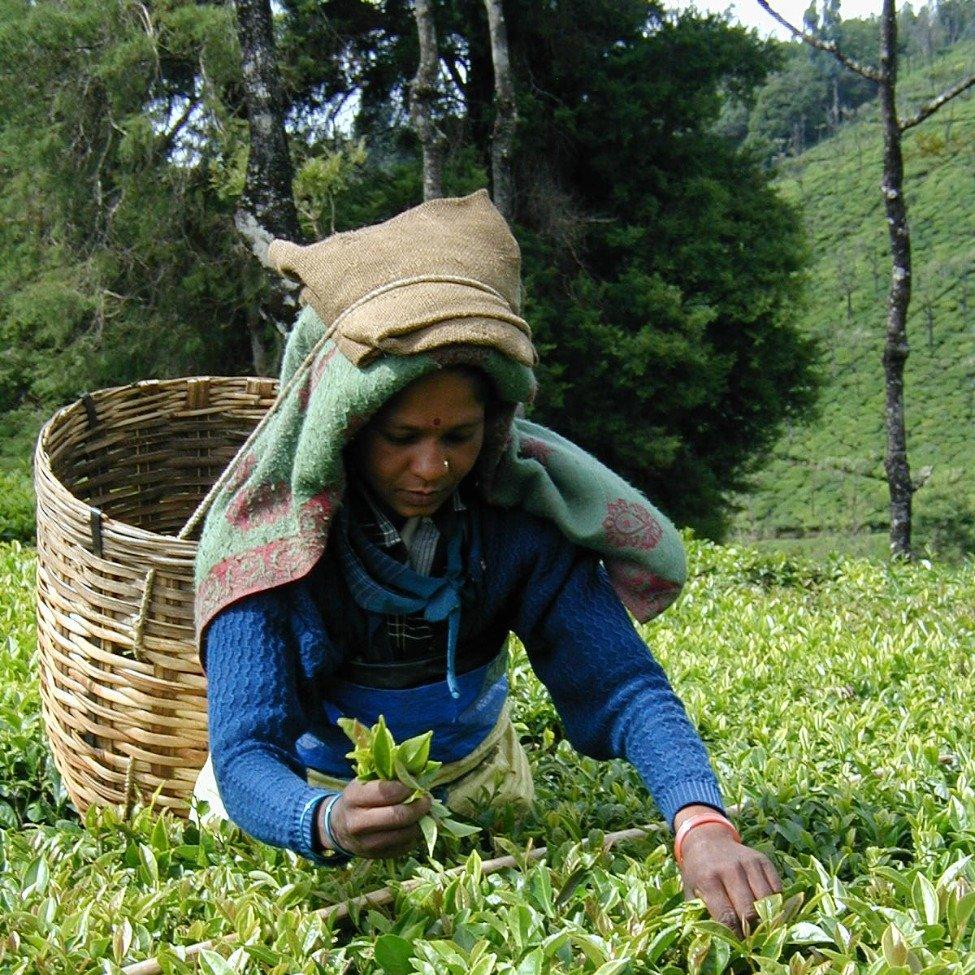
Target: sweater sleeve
[612, 695]
[254, 722]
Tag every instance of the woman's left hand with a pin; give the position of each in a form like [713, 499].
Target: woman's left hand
[728, 876]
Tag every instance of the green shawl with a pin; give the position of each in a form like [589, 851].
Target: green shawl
[270, 522]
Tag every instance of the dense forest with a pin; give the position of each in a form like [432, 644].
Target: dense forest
[666, 271]
[123, 150]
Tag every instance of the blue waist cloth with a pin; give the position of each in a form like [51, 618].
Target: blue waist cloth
[459, 724]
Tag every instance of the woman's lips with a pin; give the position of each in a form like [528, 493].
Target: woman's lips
[424, 497]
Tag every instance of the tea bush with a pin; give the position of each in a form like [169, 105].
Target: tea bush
[17, 506]
[835, 700]
[827, 477]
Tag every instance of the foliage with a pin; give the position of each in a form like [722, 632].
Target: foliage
[811, 94]
[118, 255]
[30, 790]
[660, 269]
[946, 519]
[17, 515]
[663, 304]
[829, 477]
[834, 699]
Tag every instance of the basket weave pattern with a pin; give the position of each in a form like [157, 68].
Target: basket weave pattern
[117, 476]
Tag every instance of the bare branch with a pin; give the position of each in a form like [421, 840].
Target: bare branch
[455, 76]
[165, 141]
[865, 70]
[929, 108]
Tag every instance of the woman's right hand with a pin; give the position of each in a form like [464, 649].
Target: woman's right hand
[371, 819]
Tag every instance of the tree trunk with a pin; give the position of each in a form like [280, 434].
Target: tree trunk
[267, 188]
[258, 351]
[423, 95]
[896, 350]
[506, 115]
[895, 347]
[267, 208]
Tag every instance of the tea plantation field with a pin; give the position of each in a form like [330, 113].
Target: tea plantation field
[836, 699]
[825, 479]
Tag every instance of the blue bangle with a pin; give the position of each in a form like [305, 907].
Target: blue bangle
[337, 848]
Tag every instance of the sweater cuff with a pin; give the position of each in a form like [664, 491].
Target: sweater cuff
[306, 842]
[694, 792]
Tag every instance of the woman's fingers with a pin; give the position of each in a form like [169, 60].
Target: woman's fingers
[739, 891]
[762, 877]
[771, 875]
[717, 902]
[379, 792]
[728, 876]
[364, 820]
[371, 819]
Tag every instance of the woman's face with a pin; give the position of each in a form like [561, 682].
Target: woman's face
[401, 453]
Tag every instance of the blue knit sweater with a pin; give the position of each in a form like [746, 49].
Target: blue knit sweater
[269, 656]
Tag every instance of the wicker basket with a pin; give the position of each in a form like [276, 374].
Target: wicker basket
[118, 475]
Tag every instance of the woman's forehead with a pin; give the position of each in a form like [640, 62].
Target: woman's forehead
[438, 399]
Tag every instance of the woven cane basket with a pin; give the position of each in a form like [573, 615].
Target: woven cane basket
[118, 476]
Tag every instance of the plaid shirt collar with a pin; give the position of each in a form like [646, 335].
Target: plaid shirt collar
[379, 527]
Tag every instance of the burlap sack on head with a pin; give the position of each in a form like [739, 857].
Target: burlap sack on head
[445, 272]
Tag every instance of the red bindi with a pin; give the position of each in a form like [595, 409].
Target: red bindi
[436, 421]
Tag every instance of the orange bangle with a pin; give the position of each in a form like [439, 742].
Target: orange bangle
[699, 820]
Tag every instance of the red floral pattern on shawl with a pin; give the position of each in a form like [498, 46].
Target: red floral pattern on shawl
[631, 525]
[645, 594]
[535, 449]
[273, 564]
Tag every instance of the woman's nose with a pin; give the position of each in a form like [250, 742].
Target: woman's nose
[428, 462]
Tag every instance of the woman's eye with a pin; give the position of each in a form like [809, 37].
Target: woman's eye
[458, 438]
[399, 439]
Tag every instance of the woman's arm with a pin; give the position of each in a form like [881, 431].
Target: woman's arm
[616, 701]
[611, 694]
[254, 721]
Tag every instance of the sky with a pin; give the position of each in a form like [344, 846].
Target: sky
[749, 13]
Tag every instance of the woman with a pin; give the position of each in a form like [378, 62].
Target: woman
[388, 529]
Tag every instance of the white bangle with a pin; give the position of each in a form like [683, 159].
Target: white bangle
[337, 847]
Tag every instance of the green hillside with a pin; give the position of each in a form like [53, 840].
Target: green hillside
[824, 482]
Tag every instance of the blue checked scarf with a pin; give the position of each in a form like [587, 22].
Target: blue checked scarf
[384, 587]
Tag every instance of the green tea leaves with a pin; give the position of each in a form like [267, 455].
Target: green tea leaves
[393, 954]
[835, 700]
[382, 750]
[415, 753]
[376, 755]
[429, 827]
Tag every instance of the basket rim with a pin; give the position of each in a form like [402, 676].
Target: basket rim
[121, 530]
